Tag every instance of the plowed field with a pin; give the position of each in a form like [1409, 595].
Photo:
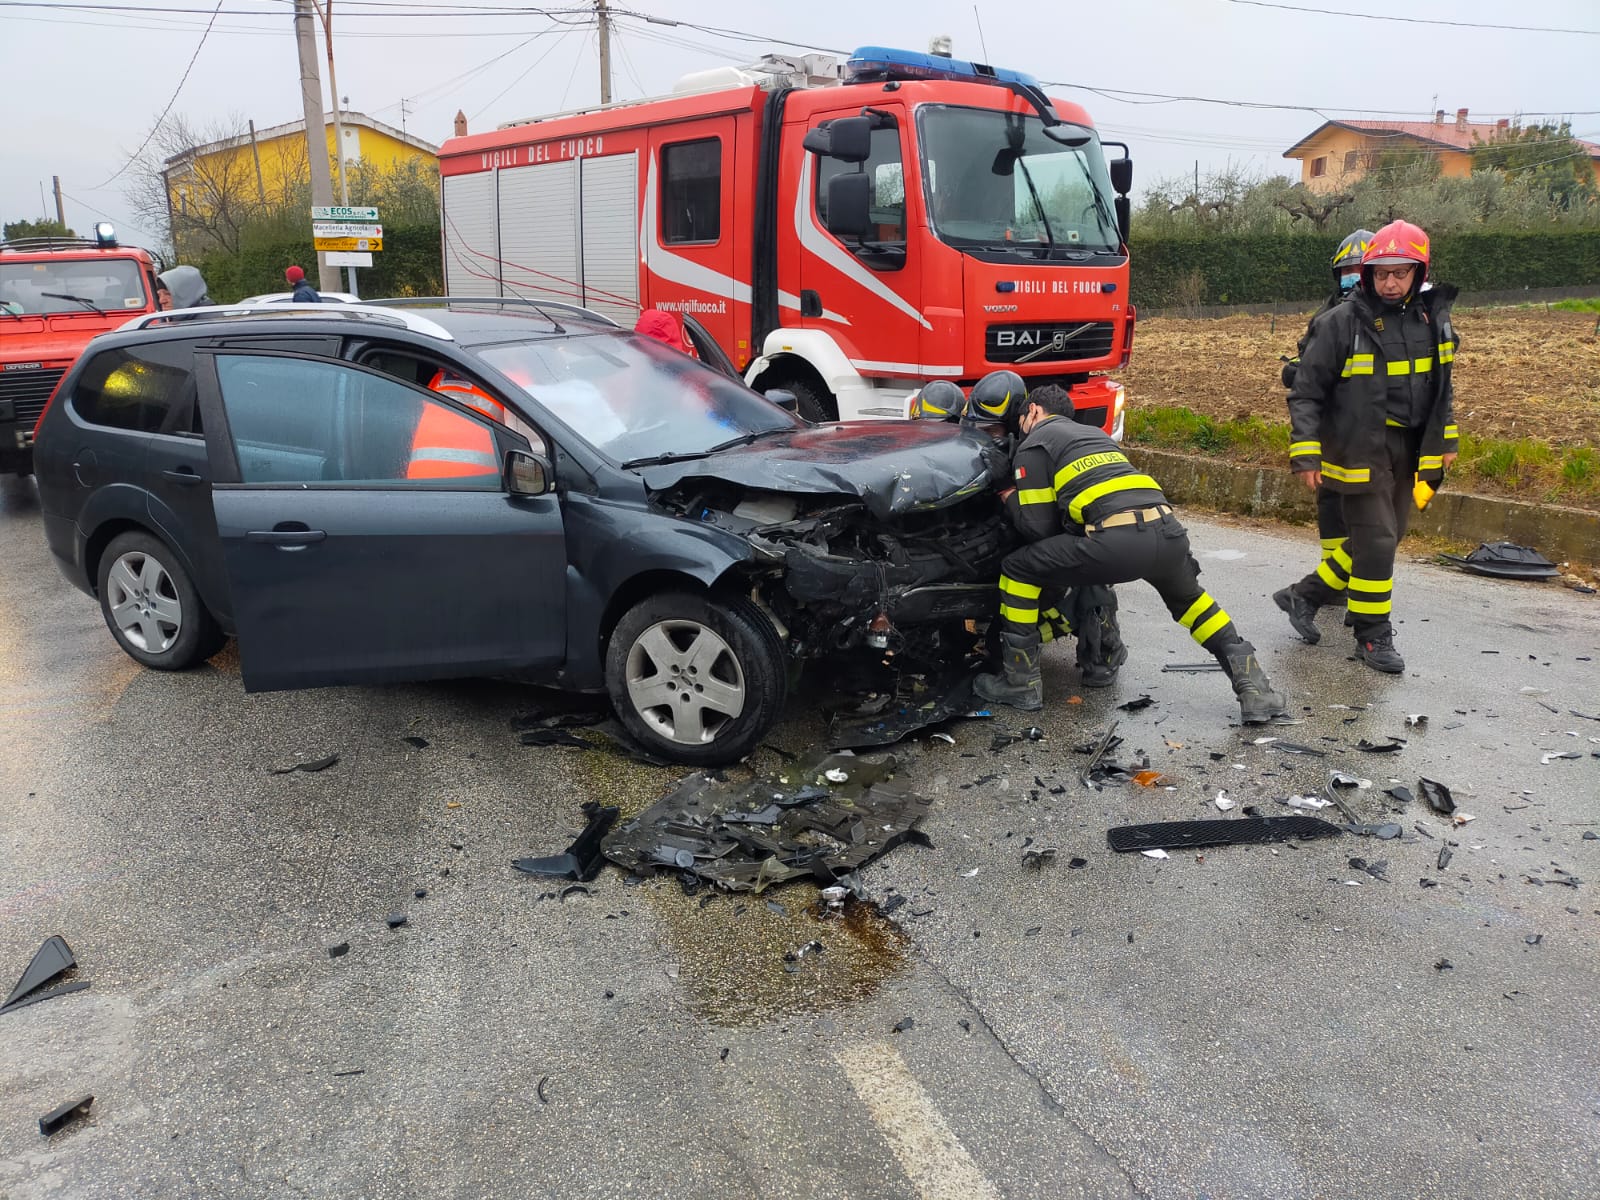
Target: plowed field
[1519, 372]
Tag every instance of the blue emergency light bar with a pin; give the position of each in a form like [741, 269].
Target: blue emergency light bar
[874, 64]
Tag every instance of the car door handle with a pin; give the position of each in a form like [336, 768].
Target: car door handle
[288, 539]
[185, 475]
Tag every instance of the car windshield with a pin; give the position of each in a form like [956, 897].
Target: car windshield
[633, 398]
[37, 288]
[995, 181]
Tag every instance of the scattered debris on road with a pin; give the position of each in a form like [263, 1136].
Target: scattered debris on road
[583, 859]
[54, 1120]
[919, 702]
[314, 765]
[1438, 796]
[50, 961]
[1505, 560]
[1181, 835]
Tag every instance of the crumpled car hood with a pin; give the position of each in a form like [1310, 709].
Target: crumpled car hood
[894, 467]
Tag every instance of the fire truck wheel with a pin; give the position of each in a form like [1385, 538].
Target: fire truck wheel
[151, 607]
[812, 403]
[697, 679]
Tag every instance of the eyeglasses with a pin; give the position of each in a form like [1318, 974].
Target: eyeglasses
[1392, 272]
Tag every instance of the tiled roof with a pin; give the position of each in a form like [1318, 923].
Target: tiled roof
[1446, 133]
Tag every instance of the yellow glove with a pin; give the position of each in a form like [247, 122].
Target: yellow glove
[1421, 493]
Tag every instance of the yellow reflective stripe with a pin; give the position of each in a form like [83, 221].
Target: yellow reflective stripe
[1357, 364]
[1331, 544]
[1199, 606]
[1452, 431]
[1399, 368]
[1036, 496]
[1392, 423]
[1447, 352]
[1205, 631]
[1371, 585]
[1422, 365]
[1431, 462]
[1087, 463]
[1126, 483]
[1347, 474]
[1305, 450]
[1342, 557]
[1326, 574]
[1022, 591]
[1369, 607]
[1022, 616]
[1046, 634]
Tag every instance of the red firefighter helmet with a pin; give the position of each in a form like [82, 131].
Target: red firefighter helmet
[464, 391]
[1398, 243]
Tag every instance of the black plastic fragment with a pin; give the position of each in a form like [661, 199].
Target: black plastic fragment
[420, 893]
[1378, 868]
[1438, 796]
[1400, 793]
[339, 951]
[1444, 964]
[1444, 857]
[1137, 705]
[1168, 835]
[1533, 939]
[1388, 747]
[55, 1119]
[1429, 883]
[395, 919]
[1033, 931]
[1590, 835]
[1505, 560]
[1210, 665]
[538, 1089]
[1077, 864]
[544, 736]
[1039, 857]
[583, 859]
[416, 743]
[316, 764]
[51, 959]
[889, 905]
[905, 1025]
[1386, 832]
[919, 702]
[64, 989]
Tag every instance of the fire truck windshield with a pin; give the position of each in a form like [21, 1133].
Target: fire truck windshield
[49, 287]
[994, 181]
[634, 399]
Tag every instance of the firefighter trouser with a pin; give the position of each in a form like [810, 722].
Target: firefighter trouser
[1155, 551]
[1376, 521]
[1327, 584]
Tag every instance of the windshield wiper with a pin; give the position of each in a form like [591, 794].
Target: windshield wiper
[1038, 206]
[83, 300]
[672, 456]
[744, 439]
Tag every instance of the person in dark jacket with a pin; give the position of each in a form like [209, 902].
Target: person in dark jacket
[1325, 585]
[304, 293]
[1371, 416]
[1089, 516]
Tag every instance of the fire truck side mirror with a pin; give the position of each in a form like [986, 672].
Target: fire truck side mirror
[850, 205]
[847, 139]
[1121, 175]
[1124, 217]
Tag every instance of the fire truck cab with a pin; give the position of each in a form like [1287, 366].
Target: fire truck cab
[847, 231]
[55, 294]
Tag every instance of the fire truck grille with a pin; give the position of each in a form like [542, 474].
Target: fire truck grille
[1049, 341]
[28, 391]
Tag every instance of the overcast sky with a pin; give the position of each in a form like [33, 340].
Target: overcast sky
[85, 83]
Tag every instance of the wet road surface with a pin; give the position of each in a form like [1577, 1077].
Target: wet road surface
[1234, 1023]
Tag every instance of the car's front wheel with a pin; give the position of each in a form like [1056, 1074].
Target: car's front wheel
[152, 608]
[695, 678]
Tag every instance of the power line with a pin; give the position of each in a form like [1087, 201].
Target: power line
[548, 51]
[577, 61]
[173, 100]
[1331, 12]
[1120, 95]
[627, 61]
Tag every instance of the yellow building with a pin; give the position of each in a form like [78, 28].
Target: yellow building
[1338, 153]
[214, 189]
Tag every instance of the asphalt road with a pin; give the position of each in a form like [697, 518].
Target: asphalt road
[1242, 1022]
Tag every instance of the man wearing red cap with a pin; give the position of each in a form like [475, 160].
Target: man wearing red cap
[1371, 417]
[304, 293]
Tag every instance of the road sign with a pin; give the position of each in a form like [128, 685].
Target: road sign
[349, 258]
[336, 213]
[348, 243]
[335, 229]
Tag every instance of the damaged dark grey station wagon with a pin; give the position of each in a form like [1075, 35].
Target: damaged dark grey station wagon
[645, 525]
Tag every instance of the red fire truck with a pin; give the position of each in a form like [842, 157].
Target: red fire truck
[55, 294]
[847, 231]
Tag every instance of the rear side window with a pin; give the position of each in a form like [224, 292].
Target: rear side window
[691, 191]
[136, 388]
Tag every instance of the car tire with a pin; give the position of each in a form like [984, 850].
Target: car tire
[152, 608]
[815, 406]
[677, 663]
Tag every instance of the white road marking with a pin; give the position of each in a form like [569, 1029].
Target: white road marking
[935, 1162]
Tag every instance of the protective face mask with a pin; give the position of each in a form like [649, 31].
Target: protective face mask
[1349, 281]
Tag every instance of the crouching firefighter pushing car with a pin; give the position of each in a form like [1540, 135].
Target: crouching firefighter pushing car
[1090, 517]
[1089, 611]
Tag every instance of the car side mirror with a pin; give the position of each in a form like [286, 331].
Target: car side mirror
[849, 205]
[527, 474]
[783, 398]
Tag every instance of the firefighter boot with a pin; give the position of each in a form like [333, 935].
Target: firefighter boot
[1378, 652]
[1018, 683]
[1258, 703]
[1101, 651]
[1302, 614]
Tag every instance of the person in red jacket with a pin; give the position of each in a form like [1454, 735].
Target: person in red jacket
[664, 327]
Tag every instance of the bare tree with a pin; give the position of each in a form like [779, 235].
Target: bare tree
[1303, 204]
[198, 183]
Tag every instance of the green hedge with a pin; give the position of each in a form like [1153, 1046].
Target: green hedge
[408, 265]
[1174, 272]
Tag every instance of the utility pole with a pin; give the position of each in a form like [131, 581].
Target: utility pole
[255, 150]
[316, 129]
[325, 11]
[604, 19]
[61, 213]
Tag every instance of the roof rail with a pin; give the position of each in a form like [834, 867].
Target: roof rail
[533, 302]
[345, 312]
[50, 242]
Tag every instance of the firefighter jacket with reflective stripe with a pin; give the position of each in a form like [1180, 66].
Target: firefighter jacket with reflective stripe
[1340, 402]
[1069, 475]
[448, 445]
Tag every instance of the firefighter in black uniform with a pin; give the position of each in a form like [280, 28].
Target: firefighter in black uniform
[1371, 419]
[1089, 612]
[1326, 584]
[1090, 517]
